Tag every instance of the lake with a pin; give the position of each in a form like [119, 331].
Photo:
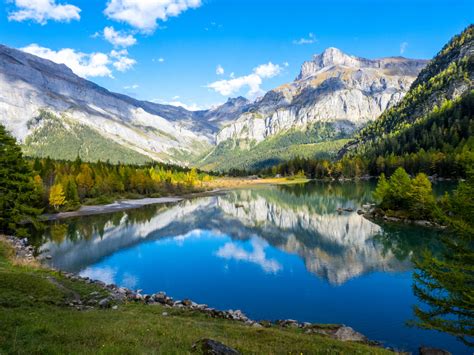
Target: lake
[274, 252]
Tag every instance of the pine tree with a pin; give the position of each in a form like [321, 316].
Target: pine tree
[71, 194]
[381, 190]
[17, 191]
[422, 200]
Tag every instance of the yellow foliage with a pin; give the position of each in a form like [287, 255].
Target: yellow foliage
[56, 196]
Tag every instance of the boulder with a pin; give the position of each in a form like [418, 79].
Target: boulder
[212, 347]
[104, 303]
[348, 334]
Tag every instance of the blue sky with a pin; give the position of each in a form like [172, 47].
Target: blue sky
[170, 50]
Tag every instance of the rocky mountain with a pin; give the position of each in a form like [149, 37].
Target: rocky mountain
[52, 111]
[333, 87]
[334, 90]
[46, 106]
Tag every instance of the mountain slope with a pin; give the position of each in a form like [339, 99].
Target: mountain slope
[334, 90]
[30, 85]
[437, 113]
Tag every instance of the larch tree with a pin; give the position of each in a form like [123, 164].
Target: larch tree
[56, 196]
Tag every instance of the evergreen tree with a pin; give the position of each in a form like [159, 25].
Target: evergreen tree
[422, 200]
[381, 190]
[445, 285]
[17, 191]
[71, 194]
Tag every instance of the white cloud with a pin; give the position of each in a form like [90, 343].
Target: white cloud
[43, 10]
[121, 60]
[118, 39]
[143, 14]
[159, 60]
[403, 47]
[85, 65]
[256, 256]
[175, 102]
[219, 70]
[82, 64]
[252, 81]
[232, 86]
[308, 40]
[268, 70]
[131, 87]
[190, 107]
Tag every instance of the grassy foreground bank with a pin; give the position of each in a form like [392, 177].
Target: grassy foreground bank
[35, 318]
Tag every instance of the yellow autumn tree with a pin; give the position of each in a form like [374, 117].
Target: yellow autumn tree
[56, 196]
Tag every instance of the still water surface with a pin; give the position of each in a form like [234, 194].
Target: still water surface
[273, 252]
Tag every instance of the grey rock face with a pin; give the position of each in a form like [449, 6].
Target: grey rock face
[29, 84]
[332, 87]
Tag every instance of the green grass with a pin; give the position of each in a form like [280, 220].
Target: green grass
[34, 319]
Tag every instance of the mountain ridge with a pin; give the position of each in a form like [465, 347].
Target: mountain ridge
[30, 85]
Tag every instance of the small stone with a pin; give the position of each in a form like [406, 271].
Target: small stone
[115, 307]
[213, 347]
[164, 314]
[187, 302]
[432, 351]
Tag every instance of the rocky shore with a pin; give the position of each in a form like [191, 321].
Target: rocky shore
[373, 213]
[110, 296]
[113, 296]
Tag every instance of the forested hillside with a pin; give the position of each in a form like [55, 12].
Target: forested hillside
[432, 128]
[319, 140]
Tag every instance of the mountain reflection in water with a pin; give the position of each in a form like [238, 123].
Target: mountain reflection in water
[273, 252]
[301, 220]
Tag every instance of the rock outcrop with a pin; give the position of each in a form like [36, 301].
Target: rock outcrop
[332, 87]
[30, 85]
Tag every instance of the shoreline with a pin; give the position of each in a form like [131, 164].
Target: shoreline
[119, 296]
[126, 204]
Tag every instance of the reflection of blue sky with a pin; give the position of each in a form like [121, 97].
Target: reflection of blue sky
[195, 234]
[257, 255]
[110, 275]
[105, 274]
[129, 280]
